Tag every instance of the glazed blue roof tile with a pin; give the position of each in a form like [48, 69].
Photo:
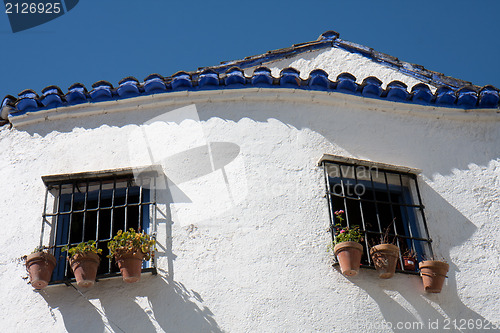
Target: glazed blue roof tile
[28, 101]
[78, 86]
[181, 81]
[318, 79]
[330, 34]
[346, 82]
[52, 97]
[466, 97]
[154, 76]
[396, 91]
[102, 84]
[103, 91]
[128, 87]
[52, 101]
[450, 92]
[208, 78]
[290, 77]
[421, 93]
[488, 97]
[28, 93]
[235, 77]
[77, 93]
[8, 101]
[371, 87]
[154, 84]
[51, 90]
[445, 96]
[262, 77]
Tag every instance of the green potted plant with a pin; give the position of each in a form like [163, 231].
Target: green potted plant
[385, 256]
[40, 264]
[347, 248]
[129, 249]
[433, 273]
[84, 261]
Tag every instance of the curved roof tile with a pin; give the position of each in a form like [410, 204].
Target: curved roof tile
[52, 97]
[371, 87]
[445, 96]
[154, 84]
[181, 81]
[290, 77]
[208, 78]
[129, 87]
[346, 82]
[421, 93]
[234, 76]
[396, 91]
[488, 97]
[262, 77]
[103, 91]
[318, 79]
[467, 97]
[77, 93]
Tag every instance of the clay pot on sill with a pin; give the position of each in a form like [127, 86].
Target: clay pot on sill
[409, 263]
[433, 273]
[349, 257]
[40, 266]
[84, 266]
[385, 258]
[130, 264]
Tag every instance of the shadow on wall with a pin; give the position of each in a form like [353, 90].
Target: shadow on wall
[409, 308]
[433, 144]
[151, 305]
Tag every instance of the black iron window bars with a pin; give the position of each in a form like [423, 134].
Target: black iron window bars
[384, 201]
[94, 206]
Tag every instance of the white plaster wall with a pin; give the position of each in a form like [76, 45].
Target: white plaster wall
[249, 252]
[335, 61]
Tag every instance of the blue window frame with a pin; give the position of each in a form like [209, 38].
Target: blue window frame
[95, 208]
[384, 203]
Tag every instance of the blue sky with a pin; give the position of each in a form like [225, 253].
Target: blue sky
[109, 40]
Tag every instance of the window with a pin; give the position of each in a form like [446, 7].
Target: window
[383, 200]
[94, 206]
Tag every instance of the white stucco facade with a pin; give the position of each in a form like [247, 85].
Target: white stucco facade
[243, 246]
[242, 222]
[335, 61]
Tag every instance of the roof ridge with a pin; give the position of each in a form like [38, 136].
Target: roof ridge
[332, 39]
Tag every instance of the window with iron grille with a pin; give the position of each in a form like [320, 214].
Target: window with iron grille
[384, 201]
[94, 206]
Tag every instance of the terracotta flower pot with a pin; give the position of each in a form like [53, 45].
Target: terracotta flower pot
[40, 266]
[349, 257]
[84, 268]
[409, 263]
[130, 264]
[433, 273]
[385, 258]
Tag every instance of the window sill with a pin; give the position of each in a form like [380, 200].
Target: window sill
[151, 270]
[373, 269]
